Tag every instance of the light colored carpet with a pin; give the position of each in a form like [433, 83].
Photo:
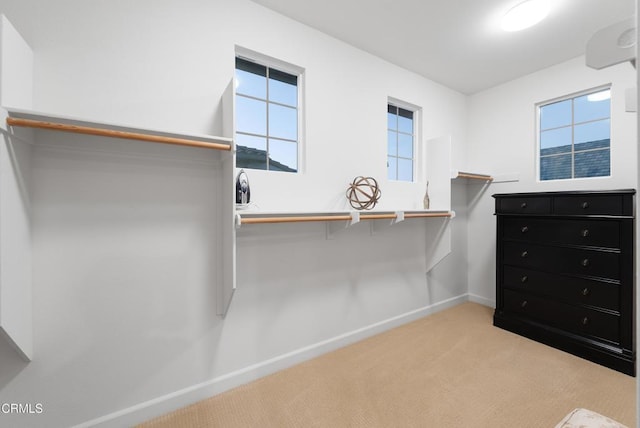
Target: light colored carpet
[451, 369]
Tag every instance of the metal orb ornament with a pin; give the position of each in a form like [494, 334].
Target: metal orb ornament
[363, 193]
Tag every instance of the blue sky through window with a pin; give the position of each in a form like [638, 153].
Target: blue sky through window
[266, 117]
[400, 139]
[575, 137]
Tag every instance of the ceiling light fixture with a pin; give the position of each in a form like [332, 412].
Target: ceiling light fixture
[525, 14]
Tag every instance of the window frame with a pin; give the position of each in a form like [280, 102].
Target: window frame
[416, 111]
[279, 66]
[573, 124]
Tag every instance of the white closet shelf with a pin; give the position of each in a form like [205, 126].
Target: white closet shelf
[244, 218]
[31, 119]
[471, 176]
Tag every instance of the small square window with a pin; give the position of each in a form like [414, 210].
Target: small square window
[400, 143]
[574, 136]
[267, 113]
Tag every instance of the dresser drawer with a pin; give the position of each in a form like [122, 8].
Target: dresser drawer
[570, 289]
[568, 261]
[575, 319]
[588, 204]
[596, 233]
[524, 205]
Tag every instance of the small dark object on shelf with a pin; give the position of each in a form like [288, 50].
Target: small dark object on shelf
[243, 192]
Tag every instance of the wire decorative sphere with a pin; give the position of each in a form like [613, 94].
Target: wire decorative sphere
[363, 193]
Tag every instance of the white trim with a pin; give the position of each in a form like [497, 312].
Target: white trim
[576, 94]
[268, 61]
[175, 400]
[482, 300]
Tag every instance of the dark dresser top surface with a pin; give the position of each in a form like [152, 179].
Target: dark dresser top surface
[565, 193]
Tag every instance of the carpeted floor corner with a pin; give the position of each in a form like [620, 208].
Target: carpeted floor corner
[450, 369]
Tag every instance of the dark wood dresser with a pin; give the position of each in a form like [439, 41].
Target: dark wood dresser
[565, 272]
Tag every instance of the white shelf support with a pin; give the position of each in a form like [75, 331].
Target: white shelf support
[16, 80]
[355, 218]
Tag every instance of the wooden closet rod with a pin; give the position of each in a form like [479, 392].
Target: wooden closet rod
[298, 219]
[378, 216]
[475, 176]
[421, 215]
[29, 123]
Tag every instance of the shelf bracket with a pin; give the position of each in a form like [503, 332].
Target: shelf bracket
[333, 227]
[399, 217]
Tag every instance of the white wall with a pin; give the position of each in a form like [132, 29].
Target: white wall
[123, 302]
[502, 140]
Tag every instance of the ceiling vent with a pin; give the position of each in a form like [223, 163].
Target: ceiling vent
[612, 45]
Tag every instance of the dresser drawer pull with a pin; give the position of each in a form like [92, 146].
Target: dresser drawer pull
[523, 205]
[524, 229]
[584, 233]
[586, 292]
[524, 304]
[585, 321]
[585, 262]
[524, 254]
[524, 279]
[585, 205]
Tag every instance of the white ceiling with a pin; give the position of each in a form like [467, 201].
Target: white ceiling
[458, 42]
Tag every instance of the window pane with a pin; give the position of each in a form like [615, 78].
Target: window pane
[251, 78]
[251, 152]
[249, 141]
[283, 156]
[251, 116]
[283, 122]
[591, 145]
[392, 144]
[282, 92]
[405, 170]
[405, 146]
[392, 121]
[555, 115]
[592, 106]
[595, 163]
[392, 167]
[592, 132]
[555, 167]
[405, 121]
[556, 138]
[250, 66]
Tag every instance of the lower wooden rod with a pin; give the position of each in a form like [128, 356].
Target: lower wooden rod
[29, 123]
[378, 216]
[298, 219]
[256, 220]
[424, 215]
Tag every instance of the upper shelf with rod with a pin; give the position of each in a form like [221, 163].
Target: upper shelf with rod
[30, 119]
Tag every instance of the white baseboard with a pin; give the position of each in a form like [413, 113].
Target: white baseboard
[482, 300]
[170, 402]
